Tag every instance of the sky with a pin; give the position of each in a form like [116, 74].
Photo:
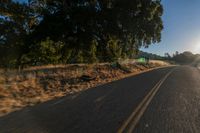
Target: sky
[181, 27]
[181, 32]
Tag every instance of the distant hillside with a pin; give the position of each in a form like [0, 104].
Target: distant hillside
[186, 57]
[149, 55]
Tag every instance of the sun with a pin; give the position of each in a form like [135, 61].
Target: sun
[197, 48]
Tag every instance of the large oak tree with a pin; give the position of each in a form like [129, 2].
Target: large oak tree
[101, 29]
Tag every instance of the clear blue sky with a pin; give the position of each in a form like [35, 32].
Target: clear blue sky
[181, 27]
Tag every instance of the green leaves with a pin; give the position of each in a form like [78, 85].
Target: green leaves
[47, 52]
[72, 31]
[114, 51]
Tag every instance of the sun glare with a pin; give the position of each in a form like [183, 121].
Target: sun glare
[197, 48]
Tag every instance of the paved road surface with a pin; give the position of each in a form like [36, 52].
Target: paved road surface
[175, 108]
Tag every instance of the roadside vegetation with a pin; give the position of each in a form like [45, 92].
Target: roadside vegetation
[39, 84]
[41, 32]
[185, 58]
[95, 41]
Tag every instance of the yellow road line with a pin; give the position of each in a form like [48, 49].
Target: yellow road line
[131, 122]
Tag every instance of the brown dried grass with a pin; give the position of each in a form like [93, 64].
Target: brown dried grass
[38, 84]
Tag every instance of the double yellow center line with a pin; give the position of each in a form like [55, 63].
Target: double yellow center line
[129, 125]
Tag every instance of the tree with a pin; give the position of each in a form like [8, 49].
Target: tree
[167, 56]
[185, 57]
[133, 23]
[103, 30]
[45, 52]
[91, 53]
[15, 24]
[114, 51]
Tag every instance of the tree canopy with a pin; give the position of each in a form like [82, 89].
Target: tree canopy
[186, 57]
[72, 31]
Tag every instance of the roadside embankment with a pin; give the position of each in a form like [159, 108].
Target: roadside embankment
[39, 84]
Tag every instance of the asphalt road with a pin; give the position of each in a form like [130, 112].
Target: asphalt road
[175, 107]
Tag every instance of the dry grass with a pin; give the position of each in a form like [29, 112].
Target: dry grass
[39, 84]
[159, 62]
